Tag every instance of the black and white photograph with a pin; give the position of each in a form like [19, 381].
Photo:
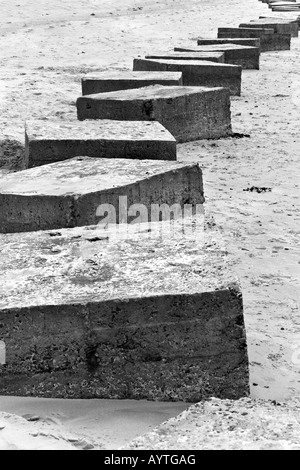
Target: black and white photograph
[149, 227]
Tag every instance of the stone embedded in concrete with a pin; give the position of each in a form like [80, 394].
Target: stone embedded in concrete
[53, 141]
[68, 193]
[198, 73]
[269, 41]
[189, 113]
[254, 42]
[103, 82]
[279, 26]
[85, 313]
[188, 55]
[245, 56]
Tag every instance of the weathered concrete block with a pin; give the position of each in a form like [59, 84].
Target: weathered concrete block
[292, 19]
[68, 194]
[103, 82]
[187, 54]
[198, 73]
[245, 56]
[87, 314]
[269, 41]
[189, 113]
[53, 141]
[285, 9]
[279, 26]
[254, 42]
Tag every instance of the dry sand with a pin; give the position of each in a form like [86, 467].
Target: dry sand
[45, 49]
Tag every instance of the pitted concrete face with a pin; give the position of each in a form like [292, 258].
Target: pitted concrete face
[188, 112]
[54, 141]
[133, 314]
[77, 191]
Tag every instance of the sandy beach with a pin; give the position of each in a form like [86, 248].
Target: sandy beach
[45, 50]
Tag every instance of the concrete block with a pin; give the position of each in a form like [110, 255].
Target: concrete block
[245, 56]
[86, 314]
[53, 141]
[294, 19]
[285, 9]
[103, 82]
[187, 54]
[269, 41]
[69, 193]
[254, 42]
[189, 113]
[198, 73]
[279, 26]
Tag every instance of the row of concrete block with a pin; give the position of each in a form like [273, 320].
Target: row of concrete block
[277, 5]
[86, 312]
[119, 124]
[93, 313]
[211, 63]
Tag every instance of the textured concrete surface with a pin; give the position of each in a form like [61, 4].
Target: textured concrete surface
[195, 73]
[245, 56]
[261, 229]
[254, 42]
[47, 142]
[244, 424]
[269, 40]
[189, 113]
[88, 312]
[279, 26]
[103, 82]
[187, 55]
[68, 193]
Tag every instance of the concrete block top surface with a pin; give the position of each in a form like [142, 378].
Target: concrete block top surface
[218, 47]
[131, 75]
[248, 30]
[270, 20]
[205, 64]
[97, 129]
[90, 264]
[255, 42]
[186, 55]
[155, 91]
[82, 175]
